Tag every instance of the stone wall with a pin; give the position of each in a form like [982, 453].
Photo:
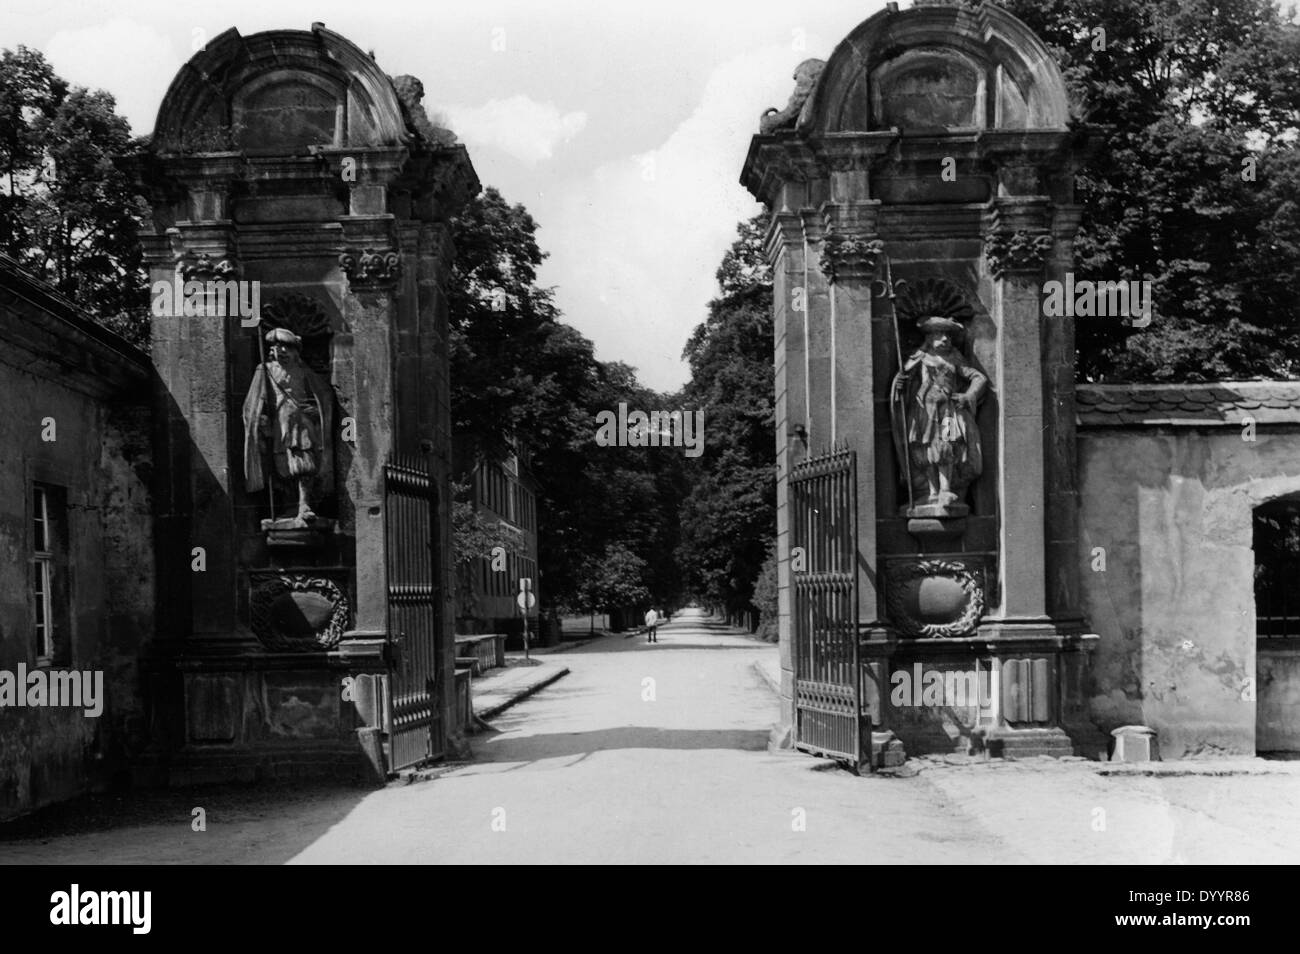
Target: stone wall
[1169, 479]
[75, 420]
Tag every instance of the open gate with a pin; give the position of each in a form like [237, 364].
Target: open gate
[827, 670]
[416, 731]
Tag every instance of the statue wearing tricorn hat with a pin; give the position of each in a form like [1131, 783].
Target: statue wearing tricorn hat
[933, 401]
[288, 415]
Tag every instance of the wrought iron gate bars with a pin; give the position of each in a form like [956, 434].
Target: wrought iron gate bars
[828, 676]
[416, 730]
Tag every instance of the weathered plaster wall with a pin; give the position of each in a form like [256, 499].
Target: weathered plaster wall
[1170, 510]
[100, 456]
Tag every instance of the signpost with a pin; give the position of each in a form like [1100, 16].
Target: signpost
[525, 601]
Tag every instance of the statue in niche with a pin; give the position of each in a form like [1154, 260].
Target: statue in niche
[933, 400]
[288, 416]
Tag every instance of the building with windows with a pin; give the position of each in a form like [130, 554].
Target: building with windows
[503, 494]
[76, 547]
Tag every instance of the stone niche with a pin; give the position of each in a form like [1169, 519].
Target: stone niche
[291, 162]
[967, 521]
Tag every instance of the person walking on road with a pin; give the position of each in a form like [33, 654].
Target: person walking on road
[652, 625]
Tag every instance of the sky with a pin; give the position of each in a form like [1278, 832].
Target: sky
[621, 127]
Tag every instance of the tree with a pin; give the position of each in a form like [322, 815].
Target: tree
[615, 581]
[69, 211]
[519, 373]
[1194, 184]
[728, 518]
[766, 597]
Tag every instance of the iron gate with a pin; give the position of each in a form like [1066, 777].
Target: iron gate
[416, 731]
[827, 670]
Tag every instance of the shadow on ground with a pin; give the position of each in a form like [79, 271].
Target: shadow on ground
[266, 823]
[533, 748]
[640, 643]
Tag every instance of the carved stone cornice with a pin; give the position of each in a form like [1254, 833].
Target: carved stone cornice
[775, 160]
[858, 153]
[371, 267]
[848, 255]
[199, 251]
[1022, 250]
[203, 267]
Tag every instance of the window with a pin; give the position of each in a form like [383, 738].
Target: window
[43, 576]
[49, 576]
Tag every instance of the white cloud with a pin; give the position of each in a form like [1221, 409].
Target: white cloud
[132, 60]
[643, 236]
[519, 126]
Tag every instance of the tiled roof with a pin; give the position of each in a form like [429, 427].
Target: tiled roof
[18, 280]
[1188, 405]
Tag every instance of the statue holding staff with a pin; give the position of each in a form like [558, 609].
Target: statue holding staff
[288, 414]
[933, 401]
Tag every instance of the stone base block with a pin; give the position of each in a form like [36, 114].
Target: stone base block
[781, 737]
[372, 750]
[939, 528]
[886, 750]
[1135, 743]
[1007, 743]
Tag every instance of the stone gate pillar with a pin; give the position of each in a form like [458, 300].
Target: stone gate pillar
[287, 166]
[921, 184]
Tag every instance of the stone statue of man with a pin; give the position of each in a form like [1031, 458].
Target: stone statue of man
[288, 413]
[934, 398]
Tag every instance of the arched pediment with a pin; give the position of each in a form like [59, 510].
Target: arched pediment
[280, 92]
[938, 68]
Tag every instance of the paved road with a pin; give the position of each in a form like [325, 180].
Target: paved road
[652, 753]
[645, 753]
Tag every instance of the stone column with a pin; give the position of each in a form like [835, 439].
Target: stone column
[198, 537]
[786, 253]
[372, 269]
[850, 254]
[1016, 246]
[1063, 600]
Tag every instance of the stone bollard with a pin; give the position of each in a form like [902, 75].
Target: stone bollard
[1135, 743]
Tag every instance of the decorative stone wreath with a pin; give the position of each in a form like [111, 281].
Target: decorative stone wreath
[899, 575]
[264, 597]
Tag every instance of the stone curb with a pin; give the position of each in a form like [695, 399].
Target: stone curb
[1187, 767]
[773, 684]
[1175, 768]
[523, 691]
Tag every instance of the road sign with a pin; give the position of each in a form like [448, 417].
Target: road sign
[526, 601]
[525, 584]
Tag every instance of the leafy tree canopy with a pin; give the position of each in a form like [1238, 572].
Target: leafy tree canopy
[68, 211]
[518, 373]
[1194, 184]
[728, 517]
